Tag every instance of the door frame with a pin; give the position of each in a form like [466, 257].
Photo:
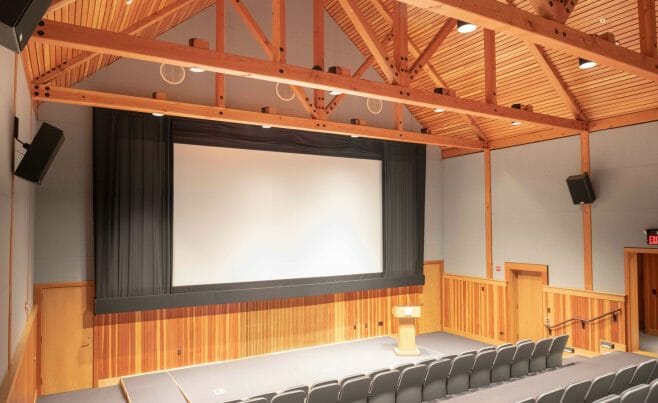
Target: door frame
[510, 269]
[633, 295]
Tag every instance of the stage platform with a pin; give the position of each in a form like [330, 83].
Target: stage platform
[237, 379]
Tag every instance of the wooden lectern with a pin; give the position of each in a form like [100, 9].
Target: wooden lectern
[407, 329]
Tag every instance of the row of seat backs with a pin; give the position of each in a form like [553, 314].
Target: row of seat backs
[629, 385]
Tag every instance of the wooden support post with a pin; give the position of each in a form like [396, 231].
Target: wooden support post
[587, 215]
[647, 20]
[279, 30]
[400, 44]
[487, 213]
[318, 50]
[490, 66]
[219, 47]
[398, 116]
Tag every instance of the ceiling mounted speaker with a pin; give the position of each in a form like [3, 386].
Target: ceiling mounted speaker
[581, 189]
[284, 92]
[374, 105]
[173, 75]
[18, 18]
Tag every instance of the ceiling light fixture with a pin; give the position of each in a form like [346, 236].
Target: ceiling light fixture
[157, 114]
[196, 70]
[266, 126]
[465, 27]
[439, 110]
[584, 64]
[335, 92]
[129, 2]
[354, 136]
[515, 123]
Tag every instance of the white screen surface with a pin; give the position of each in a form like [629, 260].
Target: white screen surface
[248, 215]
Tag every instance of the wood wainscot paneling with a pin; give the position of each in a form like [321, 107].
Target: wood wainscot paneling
[475, 308]
[563, 304]
[137, 342]
[21, 381]
[430, 298]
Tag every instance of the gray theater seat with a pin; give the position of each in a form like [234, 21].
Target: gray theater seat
[350, 377]
[448, 357]
[501, 346]
[521, 341]
[576, 392]
[303, 388]
[295, 396]
[636, 394]
[609, 399]
[403, 366]
[554, 358]
[599, 388]
[521, 360]
[325, 382]
[324, 393]
[372, 374]
[481, 371]
[354, 390]
[473, 352]
[267, 396]
[500, 370]
[528, 400]
[653, 392]
[410, 384]
[382, 387]
[539, 355]
[655, 373]
[487, 348]
[554, 396]
[459, 374]
[256, 400]
[622, 380]
[643, 372]
[436, 379]
[426, 362]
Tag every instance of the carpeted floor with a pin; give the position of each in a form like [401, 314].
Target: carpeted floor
[648, 342]
[230, 380]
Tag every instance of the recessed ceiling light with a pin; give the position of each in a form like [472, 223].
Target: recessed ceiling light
[354, 136]
[439, 110]
[515, 123]
[157, 114]
[584, 64]
[266, 126]
[335, 92]
[465, 27]
[196, 70]
[129, 2]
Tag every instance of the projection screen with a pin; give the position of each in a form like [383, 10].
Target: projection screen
[248, 215]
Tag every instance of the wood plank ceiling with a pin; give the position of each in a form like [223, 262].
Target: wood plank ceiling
[458, 63]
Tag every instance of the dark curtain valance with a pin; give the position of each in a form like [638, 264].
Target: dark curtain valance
[132, 204]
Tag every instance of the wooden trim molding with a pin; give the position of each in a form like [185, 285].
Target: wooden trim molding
[474, 279]
[586, 293]
[537, 268]
[588, 272]
[488, 225]
[633, 294]
[21, 380]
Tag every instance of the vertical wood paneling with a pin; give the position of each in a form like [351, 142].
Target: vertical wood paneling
[134, 342]
[20, 383]
[475, 307]
[430, 299]
[566, 304]
[650, 283]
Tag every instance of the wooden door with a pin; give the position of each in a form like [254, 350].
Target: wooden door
[66, 338]
[648, 273]
[529, 305]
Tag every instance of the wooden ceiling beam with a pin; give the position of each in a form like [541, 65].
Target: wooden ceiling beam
[131, 30]
[434, 44]
[254, 28]
[400, 44]
[530, 27]
[318, 50]
[553, 76]
[647, 20]
[555, 10]
[157, 51]
[171, 108]
[490, 66]
[374, 45]
[337, 99]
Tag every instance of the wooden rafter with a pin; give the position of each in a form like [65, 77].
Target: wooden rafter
[318, 49]
[530, 27]
[490, 66]
[153, 50]
[647, 20]
[219, 47]
[374, 45]
[274, 51]
[337, 99]
[553, 76]
[400, 44]
[180, 109]
[555, 10]
[434, 44]
[135, 28]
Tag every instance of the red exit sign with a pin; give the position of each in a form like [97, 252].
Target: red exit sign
[652, 236]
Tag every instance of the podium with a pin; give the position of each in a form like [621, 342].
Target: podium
[406, 315]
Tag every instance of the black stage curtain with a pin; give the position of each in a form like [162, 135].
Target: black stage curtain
[133, 217]
[132, 204]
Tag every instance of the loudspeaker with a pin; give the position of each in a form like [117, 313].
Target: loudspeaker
[40, 153]
[18, 19]
[581, 189]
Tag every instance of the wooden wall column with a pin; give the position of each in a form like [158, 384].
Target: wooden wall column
[647, 20]
[318, 50]
[487, 213]
[587, 215]
[219, 46]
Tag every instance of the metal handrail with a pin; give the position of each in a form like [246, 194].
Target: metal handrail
[583, 322]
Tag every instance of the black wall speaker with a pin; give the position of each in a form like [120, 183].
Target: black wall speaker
[18, 18]
[581, 189]
[40, 153]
